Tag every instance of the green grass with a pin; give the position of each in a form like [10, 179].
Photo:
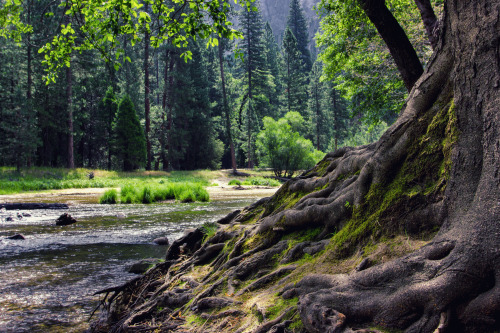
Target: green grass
[261, 181]
[109, 197]
[184, 192]
[41, 179]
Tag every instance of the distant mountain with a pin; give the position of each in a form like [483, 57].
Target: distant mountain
[276, 13]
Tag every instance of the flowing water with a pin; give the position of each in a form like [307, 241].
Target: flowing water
[47, 281]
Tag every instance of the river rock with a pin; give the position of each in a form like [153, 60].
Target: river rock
[16, 237]
[143, 265]
[161, 241]
[9, 219]
[121, 215]
[65, 219]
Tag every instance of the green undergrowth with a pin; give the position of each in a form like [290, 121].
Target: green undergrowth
[42, 179]
[183, 192]
[421, 177]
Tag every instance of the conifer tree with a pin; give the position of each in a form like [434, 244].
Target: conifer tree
[107, 113]
[293, 78]
[273, 60]
[296, 22]
[338, 115]
[129, 140]
[316, 107]
[255, 74]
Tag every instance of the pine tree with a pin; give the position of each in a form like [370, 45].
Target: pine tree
[293, 78]
[316, 107]
[255, 73]
[129, 140]
[273, 61]
[107, 108]
[338, 115]
[296, 22]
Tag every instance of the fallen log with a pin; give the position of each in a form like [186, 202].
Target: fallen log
[32, 205]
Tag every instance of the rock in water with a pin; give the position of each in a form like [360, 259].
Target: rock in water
[17, 237]
[143, 265]
[161, 241]
[65, 219]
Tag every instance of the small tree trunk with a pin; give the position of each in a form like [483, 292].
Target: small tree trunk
[146, 96]
[226, 108]
[168, 109]
[250, 100]
[29, 83]
[69, 103]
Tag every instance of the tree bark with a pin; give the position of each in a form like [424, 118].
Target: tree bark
[167, 104]
[430, 21]
[250, 101]
[448, 135]
[395, 38]
[69, 105]
[146, 97]
[226, 107]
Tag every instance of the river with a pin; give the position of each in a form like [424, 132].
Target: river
[47, 281]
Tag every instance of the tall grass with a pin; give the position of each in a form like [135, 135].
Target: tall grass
[256, 181]
[183, 192]
[39, 179]
[109, 197]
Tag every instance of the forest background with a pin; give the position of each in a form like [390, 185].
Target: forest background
[221, 108]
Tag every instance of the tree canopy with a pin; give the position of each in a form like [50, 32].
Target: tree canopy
[99, 25]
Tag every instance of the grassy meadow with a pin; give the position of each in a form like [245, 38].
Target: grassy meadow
[127, 187]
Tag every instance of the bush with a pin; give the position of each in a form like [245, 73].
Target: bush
[284, 149]
[109, 197]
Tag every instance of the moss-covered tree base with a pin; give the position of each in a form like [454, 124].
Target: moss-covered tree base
[352, 245]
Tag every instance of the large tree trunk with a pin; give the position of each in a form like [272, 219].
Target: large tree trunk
[395, 38]
[437, 166]
[451, 281]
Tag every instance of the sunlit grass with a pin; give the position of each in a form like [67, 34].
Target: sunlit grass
[183, 192]
[40, 179]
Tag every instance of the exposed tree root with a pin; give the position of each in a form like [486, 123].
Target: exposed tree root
[422, 174]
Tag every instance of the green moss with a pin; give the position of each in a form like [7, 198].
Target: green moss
[279, 306]
[195, 320]
[320, 169]
[422, 174]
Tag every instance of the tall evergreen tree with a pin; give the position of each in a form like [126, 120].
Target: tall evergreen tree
[273, 60]
[296, 22]
[293, 77]
[255, 73]
[107, 114]
[317, 115]
[129, 140]
[339, 115]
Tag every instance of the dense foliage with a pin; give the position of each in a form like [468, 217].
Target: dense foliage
[283, 149]
[203, 113]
